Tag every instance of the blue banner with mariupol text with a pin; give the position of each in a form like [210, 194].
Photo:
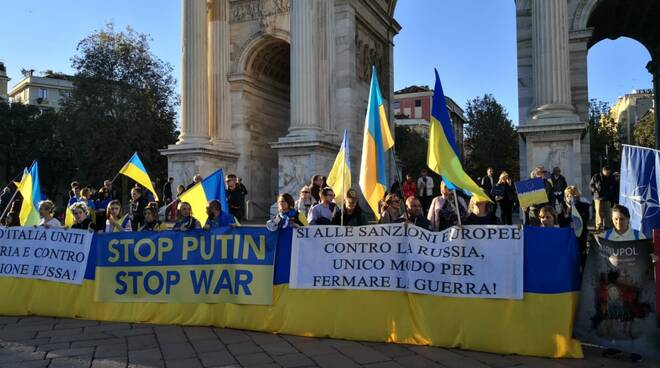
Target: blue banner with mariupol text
[640, 176]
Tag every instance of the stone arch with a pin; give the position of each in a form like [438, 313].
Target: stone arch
[257, 43]
[261, 108]
[582, 13]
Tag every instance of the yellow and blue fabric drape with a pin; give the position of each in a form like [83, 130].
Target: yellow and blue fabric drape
[135, 170]
[377, 141]
[211, 188]
[339, 178]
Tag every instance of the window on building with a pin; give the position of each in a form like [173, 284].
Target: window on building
[397, 105]
[418, 103]
[43, 93]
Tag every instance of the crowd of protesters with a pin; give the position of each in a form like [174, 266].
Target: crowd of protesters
[423, 201]
[102, 211]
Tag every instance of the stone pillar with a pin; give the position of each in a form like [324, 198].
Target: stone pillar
[312, 96]
[326, 86]
[218, 69]
[304, 68]
[194, 92]
[551, 68]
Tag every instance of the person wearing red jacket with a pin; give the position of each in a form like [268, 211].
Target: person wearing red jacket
[409, 187]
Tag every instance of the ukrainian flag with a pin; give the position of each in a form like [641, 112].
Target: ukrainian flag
[31, 191]
[339, 178]
[135, 170]
[443, 155]
[213, 187]
[377, 140]
[531, 192]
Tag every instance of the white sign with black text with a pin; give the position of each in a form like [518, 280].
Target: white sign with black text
[474, 261]
[48, 254]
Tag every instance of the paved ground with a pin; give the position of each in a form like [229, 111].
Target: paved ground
[56, 342]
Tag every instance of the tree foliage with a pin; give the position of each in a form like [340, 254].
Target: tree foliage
[644, 131]
[490, 138]
[411, 149]
[123, 101]
[604, 134]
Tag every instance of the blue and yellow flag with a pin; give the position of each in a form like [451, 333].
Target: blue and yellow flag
[211, 188]
[135, 170]
[443, 157]
[531, 192]
[339, 178]
[31, 191]
[377, 140]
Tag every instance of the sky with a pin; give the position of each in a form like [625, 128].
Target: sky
[472, 43]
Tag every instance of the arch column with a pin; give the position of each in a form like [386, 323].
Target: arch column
[312, 95]
[194, 92]
[218, 69]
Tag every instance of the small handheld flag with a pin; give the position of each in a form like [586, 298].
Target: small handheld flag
[339, 178]
[30, 189]
[135, 170]
[211, 188]
[578, 224]
[442, 154]
[531, 192]
[377, 140]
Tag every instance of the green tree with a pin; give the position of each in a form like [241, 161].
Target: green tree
[410, 148]
[490, 138]
[123, 101]
[604, 135]
[644, 131]
[27, 134]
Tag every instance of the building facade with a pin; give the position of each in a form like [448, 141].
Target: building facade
[261, 82]
[629, 109]
[413, 105]
[45, 92]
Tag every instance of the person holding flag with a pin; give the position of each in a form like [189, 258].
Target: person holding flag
[377, 141]
[339, 178]
[201, 193]
[443, 157]
[135, 170]
[575, 214]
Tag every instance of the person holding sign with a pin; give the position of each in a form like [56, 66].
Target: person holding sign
[115, 221]
[151, 221]
[391, 212]
[81, 216]
[479, 214]
[415, 215]
[443, 213]
[622, 230]
[352, 214]
[287, 214]
[46, 210]
[324, 212]
[216, 217]
[187, 221]
[548, 217]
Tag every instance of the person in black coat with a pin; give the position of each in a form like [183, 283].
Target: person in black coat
[138, 203]
[572, 198]
[479, 214]
[505, 195]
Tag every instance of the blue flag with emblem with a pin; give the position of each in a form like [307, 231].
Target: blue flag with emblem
[640, 170]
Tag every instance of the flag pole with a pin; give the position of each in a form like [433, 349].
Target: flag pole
[343, 199]
[458, 210]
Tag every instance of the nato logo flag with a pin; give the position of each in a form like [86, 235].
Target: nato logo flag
[639, 187]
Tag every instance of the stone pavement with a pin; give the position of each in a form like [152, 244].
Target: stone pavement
[58, 343]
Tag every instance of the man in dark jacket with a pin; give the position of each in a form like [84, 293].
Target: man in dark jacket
[138, 203]
[559, 184]
[602, 187]
[235, 198]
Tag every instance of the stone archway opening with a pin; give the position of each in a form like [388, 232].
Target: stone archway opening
[264, 102]
[620, 19]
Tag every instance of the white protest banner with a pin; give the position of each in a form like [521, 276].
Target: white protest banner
[47, 254]
[476, 261]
